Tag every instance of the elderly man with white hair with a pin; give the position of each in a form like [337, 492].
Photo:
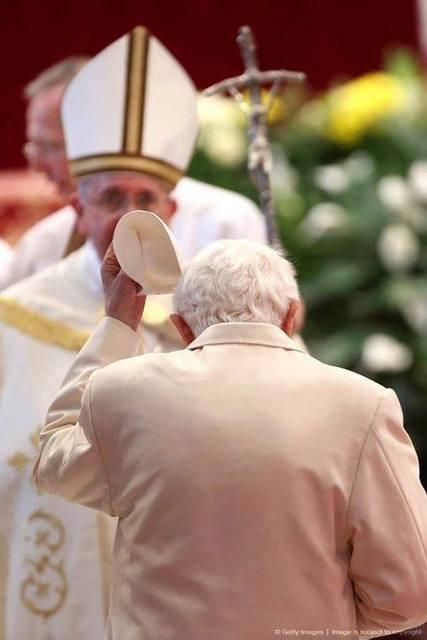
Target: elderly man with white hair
[258, 490]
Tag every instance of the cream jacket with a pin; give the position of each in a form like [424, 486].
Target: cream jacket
[55, 557]
[260, 493]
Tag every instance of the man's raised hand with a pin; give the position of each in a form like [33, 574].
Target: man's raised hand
[122, 295]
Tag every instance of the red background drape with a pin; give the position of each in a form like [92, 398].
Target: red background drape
[325, 38]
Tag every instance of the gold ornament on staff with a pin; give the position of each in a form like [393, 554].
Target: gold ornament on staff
[259, 153]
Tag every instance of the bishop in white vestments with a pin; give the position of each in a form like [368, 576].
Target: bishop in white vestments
[127, 150]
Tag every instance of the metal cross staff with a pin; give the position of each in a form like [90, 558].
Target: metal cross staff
[259, 159]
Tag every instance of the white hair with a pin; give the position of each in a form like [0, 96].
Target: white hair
[235, 281]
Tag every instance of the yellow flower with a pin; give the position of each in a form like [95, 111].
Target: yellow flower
[362, 103]
[224, 112]
[276, 109]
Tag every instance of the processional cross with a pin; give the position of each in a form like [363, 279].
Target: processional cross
[259, 155]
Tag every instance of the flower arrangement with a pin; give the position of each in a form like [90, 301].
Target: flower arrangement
[350, 186]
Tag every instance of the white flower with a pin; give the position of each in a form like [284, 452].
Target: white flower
[360, 166]
[219, 111]
[394, 193]
[382, 352]
[418, 179]
[398, 247]
[284, 177]
[227, 146]
[415, 216]
[415, 312]
[222, 131]
[331, 178]
[324, 218]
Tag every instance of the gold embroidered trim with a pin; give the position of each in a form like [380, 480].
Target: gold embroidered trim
[105, 546]
[123, 162]
[154, 314]
[20, 460]
[45, 587]
[41, 327]
[135, 91]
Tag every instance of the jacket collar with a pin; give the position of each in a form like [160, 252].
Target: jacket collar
[267, 335]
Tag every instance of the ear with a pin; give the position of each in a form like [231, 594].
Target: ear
[171, 207]
[300, 316]
[288, 324]
[183, 329]
[78, 206]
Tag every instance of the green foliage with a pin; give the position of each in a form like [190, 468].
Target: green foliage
[353, 217]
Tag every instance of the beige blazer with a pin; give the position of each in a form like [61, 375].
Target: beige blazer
[260, 493]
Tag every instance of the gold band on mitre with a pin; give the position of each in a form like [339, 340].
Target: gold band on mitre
[139, 39]
[123, 162]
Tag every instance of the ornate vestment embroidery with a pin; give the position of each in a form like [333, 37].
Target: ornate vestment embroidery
[44, 588]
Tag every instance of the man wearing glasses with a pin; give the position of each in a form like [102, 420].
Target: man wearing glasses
[204, 213]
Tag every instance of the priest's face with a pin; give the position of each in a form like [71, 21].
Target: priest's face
[45, 147]
[105, 198]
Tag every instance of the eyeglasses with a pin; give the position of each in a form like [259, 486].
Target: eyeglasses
[32, 149]
[114, 200]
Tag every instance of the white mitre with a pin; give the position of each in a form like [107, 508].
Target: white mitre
[131, 108]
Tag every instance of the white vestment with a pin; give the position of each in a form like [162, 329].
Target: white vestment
[54, 557]
[6, 255]
[204, 214]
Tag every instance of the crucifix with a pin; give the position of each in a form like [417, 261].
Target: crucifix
[259, 155]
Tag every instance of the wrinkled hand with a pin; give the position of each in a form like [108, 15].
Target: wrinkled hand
[122, 301]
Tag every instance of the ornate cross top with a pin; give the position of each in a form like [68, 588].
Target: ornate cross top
[259, 159]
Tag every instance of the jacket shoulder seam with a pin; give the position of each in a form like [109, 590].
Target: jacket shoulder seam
[359, 461]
